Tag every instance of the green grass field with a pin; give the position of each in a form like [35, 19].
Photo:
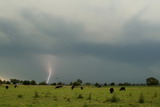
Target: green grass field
[48, 96]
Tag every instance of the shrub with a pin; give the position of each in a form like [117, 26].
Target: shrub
[68, 99]
[19, 96]
[90, 96]
[141, 98]
[155, 94]
[85, 105]
[36, 94]
[55, 97]
[47, 94]
[130, 94]
[79, 96]
[114, 98]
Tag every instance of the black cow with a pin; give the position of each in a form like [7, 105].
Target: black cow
[7, 87]
[59, 86]
[111, 90]
[99, 86]
[15, 86]
[72, 87]
[122, 89]
[81, 88]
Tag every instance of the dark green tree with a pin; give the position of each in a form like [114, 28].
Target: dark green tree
[152, 81]
[87, 83]
[59, 83]
[96, 84]
[43, 83]
[14, 81]
[70, 83]
[112, 84]
[76, 83]
[79, 80]
[8, 82]
[33, 82]
[105, 84]
[1, 81]
[54, 84]
[26, 82]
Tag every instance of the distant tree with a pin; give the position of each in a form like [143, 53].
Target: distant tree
[54, 84]
[26, 82]
[126, 84]
[76, 83]
[59, 83]
[14, 81]
[71, 83]
[87, 84]
[8, 82]
[96, 84]
[152, 81]
[43, 83]
[105, 84]
[120, 84]
[1, 81]
[79, 80]
[21, 82]
[33, 82]
[112, 84]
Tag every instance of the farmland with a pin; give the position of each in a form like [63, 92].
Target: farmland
[48, 96]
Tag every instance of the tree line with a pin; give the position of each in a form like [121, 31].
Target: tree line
[149, 81]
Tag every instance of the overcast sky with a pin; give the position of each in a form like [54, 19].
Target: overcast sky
[94, 40]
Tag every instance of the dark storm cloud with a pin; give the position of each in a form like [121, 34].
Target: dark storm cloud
[66, 40]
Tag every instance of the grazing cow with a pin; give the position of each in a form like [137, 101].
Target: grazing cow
[72, 87]
[7, 87]
[111, 90]
[58, 87]
[15, 86]
[122, 89]
[99, 86]
[81, 88]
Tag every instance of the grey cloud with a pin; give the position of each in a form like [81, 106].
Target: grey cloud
[77, 56]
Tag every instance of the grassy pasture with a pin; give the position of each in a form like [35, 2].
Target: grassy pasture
[48, 96]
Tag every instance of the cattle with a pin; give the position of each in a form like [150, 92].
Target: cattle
[7, 87]
[72, 87]
[111, 90]
[15, 86]
[81, 88]
[99, 86]
[59, 86]
[122, 89]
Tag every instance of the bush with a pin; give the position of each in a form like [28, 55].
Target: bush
[79, 96]
[155, 94]
[85, 105]
[19, 96]
[47, 94]
[141, 98]
[68, 99]
[90, 96]
[114, 98]
[36, 94]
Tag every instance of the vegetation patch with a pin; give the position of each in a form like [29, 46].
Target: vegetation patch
[141, 98]
[79, 96]
[36, 94]
[19, 96]
[90, 96]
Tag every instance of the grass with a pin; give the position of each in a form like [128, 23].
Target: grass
[47, 96]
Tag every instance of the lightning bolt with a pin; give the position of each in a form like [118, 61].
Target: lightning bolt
[49, 75]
